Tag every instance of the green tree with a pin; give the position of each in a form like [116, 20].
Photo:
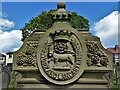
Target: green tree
[79, 21]
[44, 21]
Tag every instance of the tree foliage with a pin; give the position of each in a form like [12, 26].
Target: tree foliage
[79, 21]
[44, 21]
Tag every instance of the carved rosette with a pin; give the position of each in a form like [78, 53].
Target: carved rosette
[28, 56]
[96, 56]
[60, 58]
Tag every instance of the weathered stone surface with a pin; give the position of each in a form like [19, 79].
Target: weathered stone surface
[62, 57]
[5, 76]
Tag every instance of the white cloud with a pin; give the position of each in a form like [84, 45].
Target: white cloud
[107, 29]
[10, 41]
[5, 24]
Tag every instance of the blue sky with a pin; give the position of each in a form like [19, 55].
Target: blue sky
[21, 12]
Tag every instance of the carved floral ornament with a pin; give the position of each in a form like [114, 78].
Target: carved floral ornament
[28, 55]
[59, 59]
[96, 56]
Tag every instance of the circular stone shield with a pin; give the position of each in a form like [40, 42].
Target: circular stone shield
[59, 57]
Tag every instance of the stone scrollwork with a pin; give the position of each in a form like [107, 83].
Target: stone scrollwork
[96, 56]
[27, 57]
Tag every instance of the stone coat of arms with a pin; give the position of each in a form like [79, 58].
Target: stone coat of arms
[59, 59]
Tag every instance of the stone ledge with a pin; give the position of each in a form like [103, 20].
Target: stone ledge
[26, 69]
[65, 87]
[98, 69]
[28, 81]
[43, 81]
[92, 81]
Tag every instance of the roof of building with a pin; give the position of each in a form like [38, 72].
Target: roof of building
[2, 55]
[9, 52]
[115, 50]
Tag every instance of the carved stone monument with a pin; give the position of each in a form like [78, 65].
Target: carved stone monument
[62, 57]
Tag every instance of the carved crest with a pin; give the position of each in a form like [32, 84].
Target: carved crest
[60, 58]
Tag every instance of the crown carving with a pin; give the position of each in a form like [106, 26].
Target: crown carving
[60, 35]
[61, 13]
